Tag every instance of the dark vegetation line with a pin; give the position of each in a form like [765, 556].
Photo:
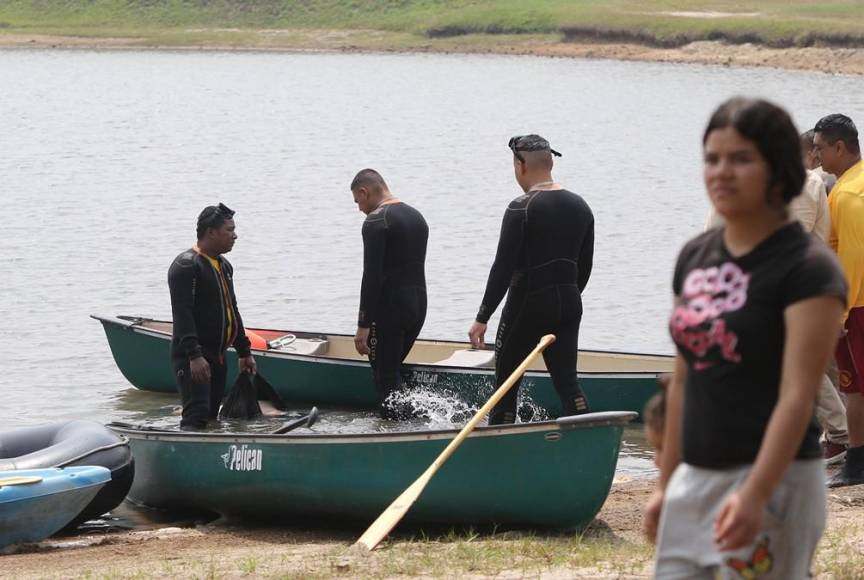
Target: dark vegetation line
[647, 38]
[581, 34]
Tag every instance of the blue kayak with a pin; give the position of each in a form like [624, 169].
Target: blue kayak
[36, 503]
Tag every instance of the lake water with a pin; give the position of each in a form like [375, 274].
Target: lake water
[106, 158]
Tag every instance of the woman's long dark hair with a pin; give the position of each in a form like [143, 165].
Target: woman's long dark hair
[774, 134]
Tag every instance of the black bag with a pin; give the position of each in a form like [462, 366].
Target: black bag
[242, 401]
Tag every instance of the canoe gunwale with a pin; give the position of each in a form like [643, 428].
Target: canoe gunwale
[578, 422]
[135, 325]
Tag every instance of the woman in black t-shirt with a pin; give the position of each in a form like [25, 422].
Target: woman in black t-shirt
[757, 313]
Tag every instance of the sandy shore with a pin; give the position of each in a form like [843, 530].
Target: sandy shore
[815, 58]
[223, 551]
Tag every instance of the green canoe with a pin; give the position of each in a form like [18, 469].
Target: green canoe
[550, 474]
[325, 370]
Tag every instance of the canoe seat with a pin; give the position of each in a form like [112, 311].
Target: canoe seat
[308, 346]
[469, 358]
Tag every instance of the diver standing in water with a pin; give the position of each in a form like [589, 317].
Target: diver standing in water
[206, 318]
[393, 291]
[544, 259]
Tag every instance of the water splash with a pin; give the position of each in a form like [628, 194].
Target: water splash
[445, 408]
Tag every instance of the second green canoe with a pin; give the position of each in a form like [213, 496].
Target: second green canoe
[325, 370]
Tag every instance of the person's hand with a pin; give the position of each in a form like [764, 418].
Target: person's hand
[738, 522]
[652, 514]
[200, 369]
[361, 340]
[247, 365]
[476, 333]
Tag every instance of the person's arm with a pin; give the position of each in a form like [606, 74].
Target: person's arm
[812, 327]
[822, 227]
[506, 260]
[586, 258]
[374, 247]
[833, 238]
[181, 284]
[805, 207]
[674, 422]
[242, 344]
[847, 226]
[671, 456]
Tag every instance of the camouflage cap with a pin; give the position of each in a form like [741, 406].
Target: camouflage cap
[530, 143]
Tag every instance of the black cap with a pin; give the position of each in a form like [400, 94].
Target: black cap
[530, 143]
[213, 216]
[211, 213]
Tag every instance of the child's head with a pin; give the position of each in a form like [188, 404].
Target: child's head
[655, 415]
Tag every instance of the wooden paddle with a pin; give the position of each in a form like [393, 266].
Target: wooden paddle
[400, 506]
[19, 480]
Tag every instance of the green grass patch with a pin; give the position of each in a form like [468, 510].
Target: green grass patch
[458, 554]
[841, 553]
[663, 23]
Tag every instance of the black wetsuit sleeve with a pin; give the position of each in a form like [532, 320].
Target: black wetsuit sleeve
[506, 260]
[586, 258]
[242, 344]
[182, 279]
[374, 246]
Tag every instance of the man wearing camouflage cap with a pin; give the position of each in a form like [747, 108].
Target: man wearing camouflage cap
[543, 263]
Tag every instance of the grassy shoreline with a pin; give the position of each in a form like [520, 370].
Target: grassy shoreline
[786, 34]
[771, 23]
[821, 59]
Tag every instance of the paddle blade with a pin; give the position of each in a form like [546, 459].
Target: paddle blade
[393, 514]
[19, 480]
[242, 401]
[264, 391]
[304, 421]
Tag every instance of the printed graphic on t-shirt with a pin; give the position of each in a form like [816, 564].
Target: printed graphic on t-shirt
[697, 324]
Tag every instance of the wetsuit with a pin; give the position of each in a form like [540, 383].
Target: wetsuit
[544, 260]
[393, 292]
[206, 323]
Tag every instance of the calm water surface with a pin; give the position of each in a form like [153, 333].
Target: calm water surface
[107, 157]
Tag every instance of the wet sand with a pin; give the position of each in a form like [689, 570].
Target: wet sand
[223, 551]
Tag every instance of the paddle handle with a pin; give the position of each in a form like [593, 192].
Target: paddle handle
[493, 400]
[19, 480]
[396, 510]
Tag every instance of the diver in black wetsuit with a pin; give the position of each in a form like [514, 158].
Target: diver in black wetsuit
[206, 318]
[393, 292]
[544, 259]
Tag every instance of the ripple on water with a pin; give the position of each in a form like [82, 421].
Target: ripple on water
[107, 176]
